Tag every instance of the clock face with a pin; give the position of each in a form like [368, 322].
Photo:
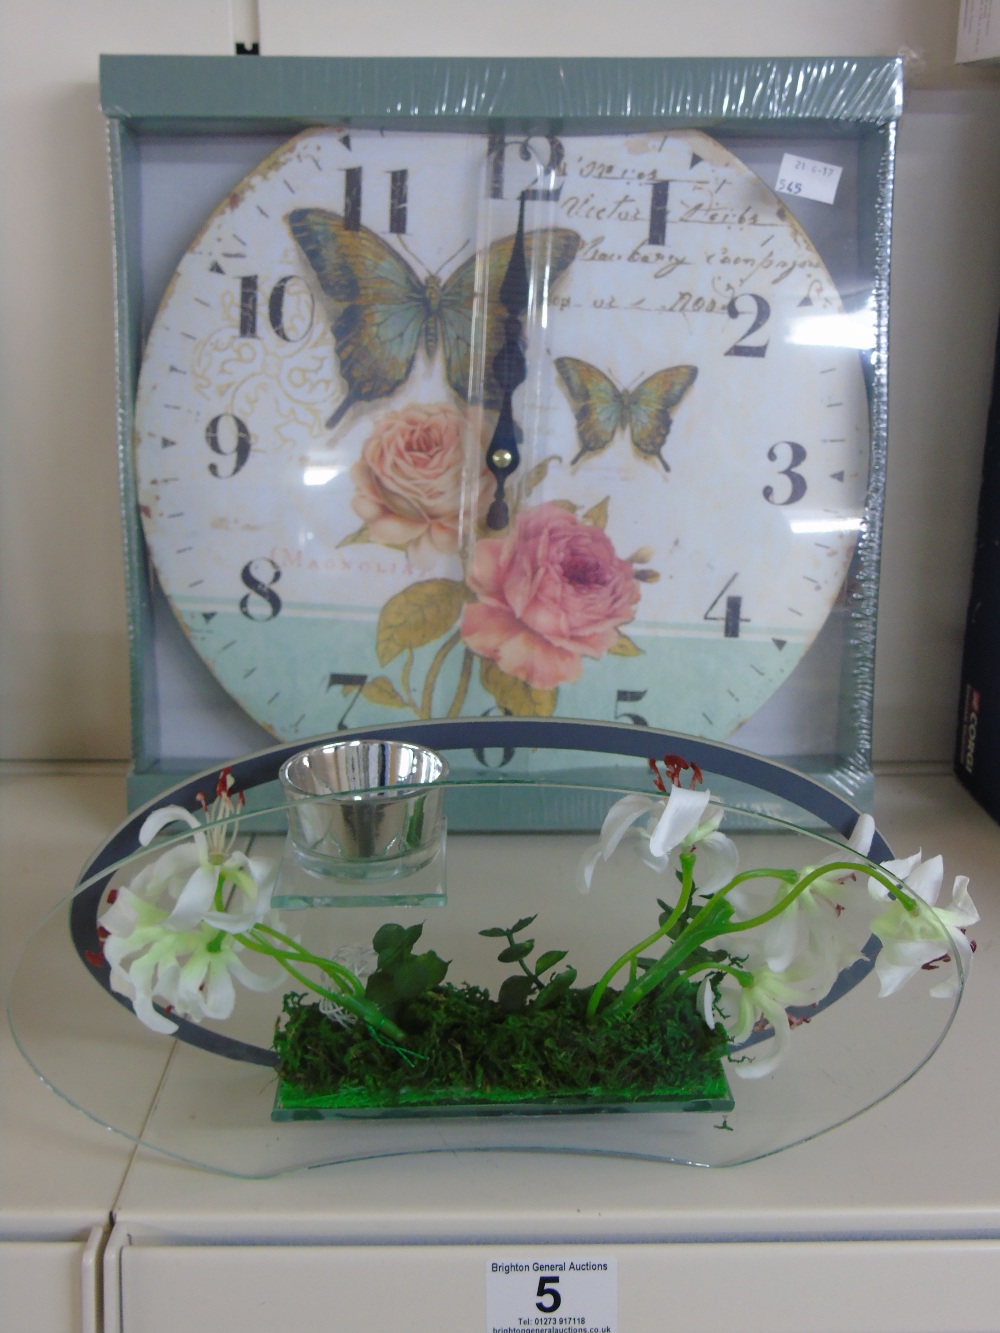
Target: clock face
[321, 387]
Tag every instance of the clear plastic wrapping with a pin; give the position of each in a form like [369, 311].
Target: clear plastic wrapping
[311, 265]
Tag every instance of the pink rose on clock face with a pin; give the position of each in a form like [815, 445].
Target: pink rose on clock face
[408, 481]
[551, 592]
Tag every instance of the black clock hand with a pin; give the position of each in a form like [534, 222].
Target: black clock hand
[502, 456]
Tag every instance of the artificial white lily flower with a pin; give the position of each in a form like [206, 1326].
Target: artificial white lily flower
[762, 994]
[814, 923]
[912, 939]
[677, 823]
[188, 971]
[193, 872]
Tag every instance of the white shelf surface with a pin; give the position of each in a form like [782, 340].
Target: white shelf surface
[59, 1172]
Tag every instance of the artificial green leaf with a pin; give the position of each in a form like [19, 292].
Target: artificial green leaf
[550, 959]
[380, 988]
[415, 975]
[494, 933]
[516, 952]
[556, 988]
[393, 942]
[386, 936]
[513, 994]
[523, 924]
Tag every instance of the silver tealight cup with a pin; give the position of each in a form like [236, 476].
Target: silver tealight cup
[365, 810]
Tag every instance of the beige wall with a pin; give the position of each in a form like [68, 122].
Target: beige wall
[63, 654]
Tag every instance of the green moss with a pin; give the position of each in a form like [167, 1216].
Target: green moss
[466, 1050]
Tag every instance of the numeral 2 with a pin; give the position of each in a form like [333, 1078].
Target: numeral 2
[763, 314]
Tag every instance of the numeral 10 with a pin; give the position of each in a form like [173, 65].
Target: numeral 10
[291, 308]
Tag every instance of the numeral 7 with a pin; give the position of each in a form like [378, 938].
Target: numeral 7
[348, 680]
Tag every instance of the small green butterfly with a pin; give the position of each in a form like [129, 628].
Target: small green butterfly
[382, 309]
[602, 409]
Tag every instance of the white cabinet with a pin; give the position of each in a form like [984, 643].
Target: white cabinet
[804, 1287]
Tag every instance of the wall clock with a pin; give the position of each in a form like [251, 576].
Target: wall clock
[318, 392]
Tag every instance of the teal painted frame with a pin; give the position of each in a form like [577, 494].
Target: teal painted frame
[148, 96]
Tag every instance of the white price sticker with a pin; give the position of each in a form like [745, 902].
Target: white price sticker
[806, 178]
[578, 1294]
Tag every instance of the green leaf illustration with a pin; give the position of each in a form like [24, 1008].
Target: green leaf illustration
[381, 691]
[355, 538]
[519, 699]
[418, 615]
[597, 516]
[537, 474]
[624, 647]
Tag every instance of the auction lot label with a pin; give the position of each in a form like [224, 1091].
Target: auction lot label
[577, 1293]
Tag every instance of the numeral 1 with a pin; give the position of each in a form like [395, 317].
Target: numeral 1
[658, 213]
[398, 188]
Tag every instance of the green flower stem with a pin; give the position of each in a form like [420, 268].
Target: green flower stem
[710, 923]
[532, 976]
[349, 997]
[343, 973]
[362, 1009]
[629, 958]
[691, 938]
[344, 977]
[687, 886]
[816, 873]
[433, 671]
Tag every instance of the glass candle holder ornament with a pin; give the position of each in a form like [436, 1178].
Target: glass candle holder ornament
[725, 983]
[363, 812]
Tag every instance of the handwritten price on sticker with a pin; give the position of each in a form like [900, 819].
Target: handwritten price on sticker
[807, 178]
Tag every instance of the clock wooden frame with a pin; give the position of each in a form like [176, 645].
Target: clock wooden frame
[185, 130]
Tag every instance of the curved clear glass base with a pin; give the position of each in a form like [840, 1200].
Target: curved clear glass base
[844, 1045]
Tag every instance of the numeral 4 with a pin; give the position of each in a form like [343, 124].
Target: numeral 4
[730, 610]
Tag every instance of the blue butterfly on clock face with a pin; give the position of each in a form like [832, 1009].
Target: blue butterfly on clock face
[602, 409]
[382, 310]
